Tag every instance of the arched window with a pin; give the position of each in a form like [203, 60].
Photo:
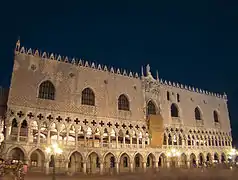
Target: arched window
[46, 90]
[123, 103]
[14, 123]
[88, 97]
[168, 95]
[24, 124]
[174, 110]
[197, 113]
[178, 98]
[151, 108]
[215, 117]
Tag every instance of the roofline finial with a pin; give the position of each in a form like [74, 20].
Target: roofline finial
[18, 44]
[142, 71]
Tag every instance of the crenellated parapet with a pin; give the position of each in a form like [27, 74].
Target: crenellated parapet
[193, 89]
[73, 61]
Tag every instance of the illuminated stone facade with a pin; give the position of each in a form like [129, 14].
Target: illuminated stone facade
[98, 116]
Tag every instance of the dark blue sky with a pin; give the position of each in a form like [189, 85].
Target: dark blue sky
[189, 42]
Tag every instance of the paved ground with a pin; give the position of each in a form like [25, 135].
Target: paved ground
[166, 174]
[196, 174]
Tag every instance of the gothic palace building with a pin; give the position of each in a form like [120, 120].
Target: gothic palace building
[108, 119]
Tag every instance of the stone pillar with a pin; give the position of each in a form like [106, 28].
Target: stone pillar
[131, 141]
[18, 133]
[67, 138]
[93, 143]
[137, 142]
[76, 139]
[67, 166]
[101, 168]
[156, 165]
[101, 141]
[47, 168]
[131, 167]
[143, 142]
[38, 136]
[188, 164]
[84, 167]
[168, 164]
[116, 141]
[109, 140]
[85, 140]
[117, 167]
[48, 137]
[30, 134]
[197, 163]
[179, 163]
[8, 131]
[144, 166]
[124, 141]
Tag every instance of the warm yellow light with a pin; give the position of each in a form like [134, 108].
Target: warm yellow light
[48, 150]
[173, 153]
[169, 154]
[233, 152]
[55, 146]
[177, 153]
[54, 149]
[58, 150]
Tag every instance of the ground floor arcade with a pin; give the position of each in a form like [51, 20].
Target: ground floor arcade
[104, 161]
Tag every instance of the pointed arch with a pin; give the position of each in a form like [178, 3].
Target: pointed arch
[88, 97]
[46, 90]
[150, 160]
[14, 123]
[174, 110]
[151, 108]
[37, 158]
[16, 151]
[197, 113]
[93, 153]
[123, 103]
[75, 161]
[24, 124]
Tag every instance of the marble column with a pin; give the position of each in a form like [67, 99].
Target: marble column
[48, 137]
[144, 166]
[101, 168]
[168, 164]
[117, 141]
[188, 164]
[67, 166]
[47, 168]
[29, 134]
[117, 167]
[131, 167]
[38, 136]
[8, 128]
[18, 132]
[124, 141]
[84, 167]
[156, 165]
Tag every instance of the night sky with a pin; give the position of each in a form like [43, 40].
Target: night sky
[195, 43]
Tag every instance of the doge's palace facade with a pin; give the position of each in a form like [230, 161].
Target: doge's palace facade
[100, 117]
